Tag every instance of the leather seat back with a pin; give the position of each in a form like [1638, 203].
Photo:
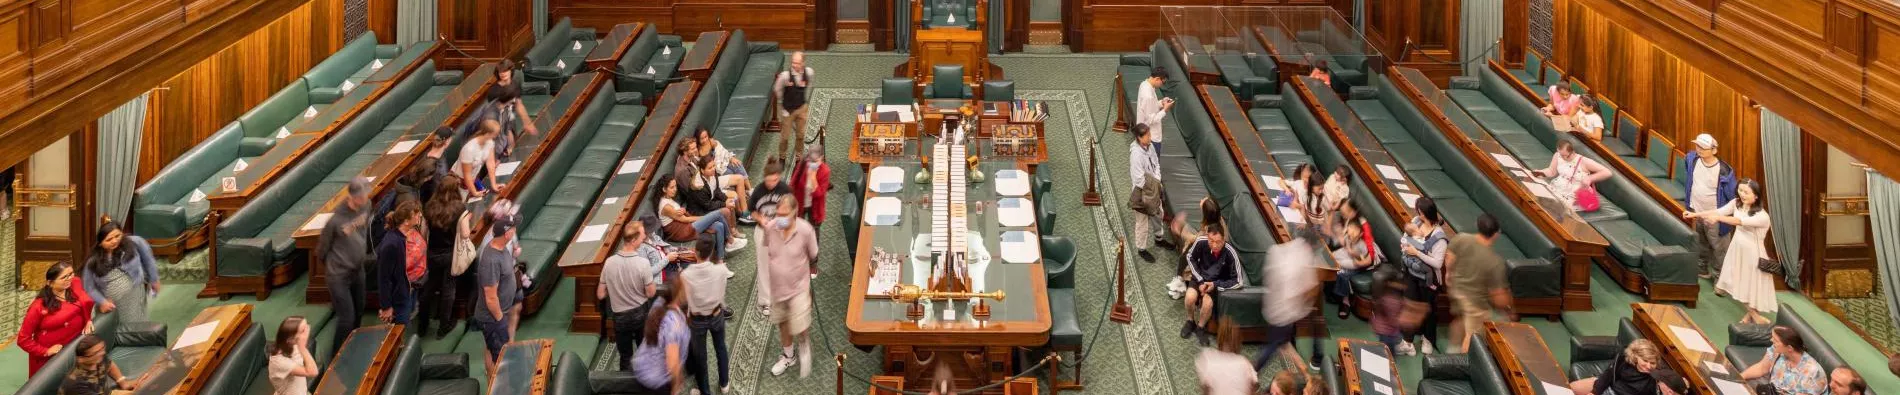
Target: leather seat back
[277, 110]
[549, 47]
[405, 377]
[1486, 377]
[331, 72]
[898, 91]
[241, 366]
[1817, 346]
[645, 43]
[191, 168]
[570, 376]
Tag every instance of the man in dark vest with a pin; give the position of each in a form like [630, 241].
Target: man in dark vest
[791, 89]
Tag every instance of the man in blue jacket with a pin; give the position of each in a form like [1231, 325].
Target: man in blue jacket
[1710, 183]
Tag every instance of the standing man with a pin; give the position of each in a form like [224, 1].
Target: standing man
[789, 247]
[706, 309]
[342, 248]
[495, 276]
[1477, 277]
[1151, 108]
[1292, 287]
[790, 90]
[627, 282]
[1710, 183]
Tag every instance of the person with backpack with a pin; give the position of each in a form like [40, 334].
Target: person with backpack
[447, 217]
[1423, 263]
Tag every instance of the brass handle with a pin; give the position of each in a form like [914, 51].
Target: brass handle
[24, 197]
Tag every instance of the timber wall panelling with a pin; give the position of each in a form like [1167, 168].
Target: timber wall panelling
[1130, 25]
[794, 24]
[190, 106]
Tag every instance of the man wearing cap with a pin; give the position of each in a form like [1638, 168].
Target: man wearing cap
[343, 247]
[1710, 183]
[494, 274]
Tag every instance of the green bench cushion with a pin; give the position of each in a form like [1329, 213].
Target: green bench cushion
[1412, 157]
[1437, 185]
[1627, 240]
[1619, 148]
[1647, 168]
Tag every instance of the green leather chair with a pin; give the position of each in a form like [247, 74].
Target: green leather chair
[937, 13]
[748, 108]
[1045, 218]
[947, 83]
[1590, 356]
[560, 53]
[431, 374]
[898, 91]
[1065, 331]
[163, 208]
[573, 377]
[1058, 261]
[1472, 373]
[241, 367]
[134, 346]
[647, 52]
[848, 214]
[999, 90]
[1749, 343]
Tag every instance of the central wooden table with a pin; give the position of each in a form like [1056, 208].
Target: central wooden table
[1529, 367]
[187, 366]
[362, 365]
[1688, 351]
[980, 351]
[1368, 368]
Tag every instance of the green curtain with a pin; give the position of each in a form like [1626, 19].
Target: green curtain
[1483, 25]
[901, 25]
[998, 15]
[415, 22]
[1883, 211]
[120, 133]
[1782, 170]
[540, 19]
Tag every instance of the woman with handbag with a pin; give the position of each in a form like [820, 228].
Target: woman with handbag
[1573, 178]
[446, 214]
[1747, 271]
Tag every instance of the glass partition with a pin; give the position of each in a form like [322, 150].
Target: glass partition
[1311, 35]
[1199, 34]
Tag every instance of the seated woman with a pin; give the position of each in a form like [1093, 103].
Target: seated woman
[91, 370]
[291, 366]
[1336, 191]
[1788, 367]
[1350, 240]
[1304, 194]
[1563, 105]
[731, 172]
[1630, 374]
[1588, 122]
[1572, 174]
[679, 225]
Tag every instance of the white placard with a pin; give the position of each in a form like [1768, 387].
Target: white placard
[347, 86]
[283, 132]
[310, 112]
[1381, 367]
[577, 46]
[227, 184]
[629, 167]
[370, 179]
[1725, 387]
[239, 166]
[1553, 389]
[1692, 339]
[560, 64]
[316, 222]
[376, 64]
[1507, 161]
[506, 168]
[1391, 172]
[650, 70]
[1381, 388]
[1715, 367]
[1402, 187]
[197, 195]
[592, 233]
[403, 146]
[196, 334]
[1272, 182]
[666, 50]
[1411, 199]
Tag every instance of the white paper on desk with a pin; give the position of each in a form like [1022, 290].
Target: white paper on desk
[1272, 182]
[1692, 339]
[1391, 172]
[628, 167]
[904, 113]
[370, 179]
[1715, 367]
[1381, 388]
[592, 233]
[239, 166]
[376, 65]
[506, 168]
[610, 200]
[1540, 190]
[403, 146]
[1725, 387]
[1507, 161]
[317, 222]
[1376, 364]
[1411, 199]
[196, 334]
[1553, 389]
[1291, 216]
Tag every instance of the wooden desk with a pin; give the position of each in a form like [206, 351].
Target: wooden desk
[524, 368]
[185, 368]
[362, 364]
[615, 45]
[1687, 350]
[698, 62]
[1528, 365]
[1362, 378]
[979, 351]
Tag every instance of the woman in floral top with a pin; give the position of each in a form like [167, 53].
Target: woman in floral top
[1788, 366]
[93, 374]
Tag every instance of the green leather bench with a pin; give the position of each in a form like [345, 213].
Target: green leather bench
[650, 51]
[560, 53]
[133, 345]
[556, 198]
[416, 373]
[1327, 155]
[1590, 356]
[1252, 74]
[1472, 373]
[1347, 65]
[241, 367]
[667, 112]
[1749, 343]
[572, 376]
[257, 238]
[736, 100]
[1648, 241]
[163, 208]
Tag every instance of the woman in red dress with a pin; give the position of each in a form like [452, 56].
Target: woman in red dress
[58, 315]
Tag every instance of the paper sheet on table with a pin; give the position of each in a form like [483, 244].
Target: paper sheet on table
[1692, 339]
[592, 233]
[317, 222]
[1375, 364]
[1391, 172]
[628, 167]
[1553, 389]
[403, 146]
[1381, 388]
[610, 200]
[506, 168]
[1715, 367]
[1411, 199]
[904, 113]
[1507, 161]
[1291, 216]
[1725, 387]
[1540, 190]
[1272, 182]
[196, 334]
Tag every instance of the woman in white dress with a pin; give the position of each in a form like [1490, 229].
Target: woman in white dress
[1570, 172]
[1740, 279]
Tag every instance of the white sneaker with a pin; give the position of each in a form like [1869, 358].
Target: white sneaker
[735, 245]
[784, 362]
[1405, 348]
[1425, 346]
[725, 389]
[695, 391]
[1177, 288]
[730, 273]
